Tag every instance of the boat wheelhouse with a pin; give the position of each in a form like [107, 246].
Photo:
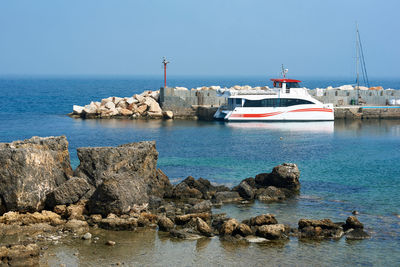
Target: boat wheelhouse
[287, 101]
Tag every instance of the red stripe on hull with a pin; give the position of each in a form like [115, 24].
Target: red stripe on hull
[263, 115]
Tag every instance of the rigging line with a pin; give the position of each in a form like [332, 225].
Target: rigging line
[363, 59]
[362, 68]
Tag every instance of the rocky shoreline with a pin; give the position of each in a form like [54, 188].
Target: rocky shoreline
[121, 189]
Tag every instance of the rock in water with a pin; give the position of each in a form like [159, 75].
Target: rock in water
[32, 168]
[282, 176]
[20, 255]
[272, 232]
[68, 193]
[165, 223]
[123, 176]
[245, 190]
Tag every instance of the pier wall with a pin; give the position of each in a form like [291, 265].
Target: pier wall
[185, 103]
[343, 97]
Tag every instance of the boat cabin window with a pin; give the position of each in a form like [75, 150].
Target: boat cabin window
[292, 85]
[234, 102]
[276, 102]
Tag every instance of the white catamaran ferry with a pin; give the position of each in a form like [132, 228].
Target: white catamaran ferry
[285, 102]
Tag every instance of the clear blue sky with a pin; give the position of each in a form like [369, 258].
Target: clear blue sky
[205, 37]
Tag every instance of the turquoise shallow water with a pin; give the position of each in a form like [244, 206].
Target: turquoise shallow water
[344, 166]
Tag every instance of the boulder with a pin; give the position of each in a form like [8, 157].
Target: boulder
[20, 255]
[183, 190]
[168, 114]
[184, 234]
[282, 176]
[352, 223]
[31, 169]
[183, 219]
[131, 101]
[141, 109]
[125, 112]
[77, 109]
[68, 193]
[226, 197]
[165, 223]
[76, 211]
[272, 232]
[154, 107]
[90, 109]
[229, 227]
[77, 226]
[203, 227]
[264, 219]
[110, 105]
[202, 206]
[357, 234]
[319, 229]
[123, 176]
[271, 193]
[244, 230]
[160, 186]
[245, 190]
[118, 224]
[139, 98]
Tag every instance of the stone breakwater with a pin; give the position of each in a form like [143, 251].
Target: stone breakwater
[144, 105]
[202, 103]
[121, 189]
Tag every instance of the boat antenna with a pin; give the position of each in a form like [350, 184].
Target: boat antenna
[284, 72]
[357, 64]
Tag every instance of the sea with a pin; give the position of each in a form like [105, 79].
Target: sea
[345, 166]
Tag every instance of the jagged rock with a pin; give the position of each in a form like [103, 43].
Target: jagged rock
[153, 105]
[140, 98]
[263, 219]
[20, 255]
[125, 112]
[106, 100]
[131, 101]
[168, 114]
[271, 193]
[45, 216]
[165, 223]
[282, 176]
[182, 191]
[77, 109]
[141, 109]
[319, 229]
[68, 193]
[123, 175]
[352, 223]
[110, 105]
[203, 227]
[272, 232]
[229, 227]
[31, 169]
[244, 230]
[226, 197]
[245, 190]
[357, 234]
[183, 219]
[90, 109]
[155, 95]
[160, 186]
[203, 206]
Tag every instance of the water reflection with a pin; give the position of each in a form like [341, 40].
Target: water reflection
[368, 127]
[319, 126]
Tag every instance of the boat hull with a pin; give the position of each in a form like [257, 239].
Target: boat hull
[293, 113]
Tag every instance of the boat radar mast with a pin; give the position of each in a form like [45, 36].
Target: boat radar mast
[284, 72]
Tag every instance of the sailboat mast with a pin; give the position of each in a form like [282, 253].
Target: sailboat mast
[357, 64]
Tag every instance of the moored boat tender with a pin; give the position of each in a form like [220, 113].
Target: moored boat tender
[285, 102]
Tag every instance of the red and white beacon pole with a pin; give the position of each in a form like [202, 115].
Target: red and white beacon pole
[165, 62]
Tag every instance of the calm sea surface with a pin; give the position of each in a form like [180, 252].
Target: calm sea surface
[344, 167]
